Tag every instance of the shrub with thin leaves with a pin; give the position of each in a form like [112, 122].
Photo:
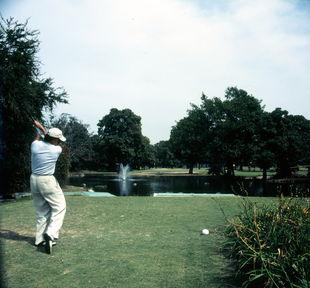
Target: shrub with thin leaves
[270, 244]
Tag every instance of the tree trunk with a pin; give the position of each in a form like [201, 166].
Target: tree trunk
[284, 170]
[264, 181]
[191, 169]
[264, 174]
[230, 169]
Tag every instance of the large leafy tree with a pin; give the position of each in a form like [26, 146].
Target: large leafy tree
[290, 141]
[24, 94]
[284, 140]
[243, 134]
[78, 140]
[164, 156]
[188, 138]
[144, 155]
[121, 140]
[215, 151]
[97, 161]
[264, 156]
[234, 121]
[239, 130]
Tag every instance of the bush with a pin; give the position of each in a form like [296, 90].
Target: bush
[270, 245]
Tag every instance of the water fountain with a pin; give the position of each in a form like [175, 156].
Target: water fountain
[123, 172]
[124, 188]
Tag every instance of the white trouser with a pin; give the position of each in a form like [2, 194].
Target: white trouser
[50, 206]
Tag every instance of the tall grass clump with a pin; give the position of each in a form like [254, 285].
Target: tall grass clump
[270, 244]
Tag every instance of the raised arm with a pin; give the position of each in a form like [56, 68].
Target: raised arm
[40, 127]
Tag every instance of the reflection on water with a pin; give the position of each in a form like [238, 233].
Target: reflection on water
[124, 188]
[146, 186]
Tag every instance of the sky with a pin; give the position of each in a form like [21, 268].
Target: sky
[156, 57]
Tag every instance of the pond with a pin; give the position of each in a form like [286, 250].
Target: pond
[147, 186]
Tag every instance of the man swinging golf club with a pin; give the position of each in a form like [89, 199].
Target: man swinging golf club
[48, 198]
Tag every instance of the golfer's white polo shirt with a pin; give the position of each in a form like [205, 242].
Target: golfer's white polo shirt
[43, 157]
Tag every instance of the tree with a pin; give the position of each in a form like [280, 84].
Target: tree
[97, 159]
[215, 150]
[290, 141]
[144, 154]
[188, 138]
[233, 122]
[237, 131]
[243, 112]
[243, 134]
[78, 140]
[164, 156]
[121, 140]
[24, 94]
[264, 157]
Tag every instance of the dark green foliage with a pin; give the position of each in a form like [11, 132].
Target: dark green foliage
[270, 244]
[63, 166]
[234, 121]
[164, 156]
[291, 140]
[95, 162]
[264, 156]
[220, 133]
[188, 138]
[78, 140]
[283, 140]
[24, 94]
[242, 114]
[121, 141]
[144, 154]
[237, 131]
[215, 113]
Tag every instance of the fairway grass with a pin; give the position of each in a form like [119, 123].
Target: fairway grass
[121, 242]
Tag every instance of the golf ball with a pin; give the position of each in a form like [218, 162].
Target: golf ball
[205, 231]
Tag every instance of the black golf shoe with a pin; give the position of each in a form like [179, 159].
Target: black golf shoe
[48, 243]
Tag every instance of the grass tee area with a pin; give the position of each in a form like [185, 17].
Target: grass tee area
[121, 242]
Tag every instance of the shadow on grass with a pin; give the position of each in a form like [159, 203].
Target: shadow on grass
[226, 281]
[11, 235]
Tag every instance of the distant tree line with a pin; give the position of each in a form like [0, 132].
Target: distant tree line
[237, 132]
[218, 134]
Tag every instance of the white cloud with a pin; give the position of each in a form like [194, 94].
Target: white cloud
[156, 56]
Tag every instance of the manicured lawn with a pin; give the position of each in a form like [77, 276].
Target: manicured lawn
[121, 242]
